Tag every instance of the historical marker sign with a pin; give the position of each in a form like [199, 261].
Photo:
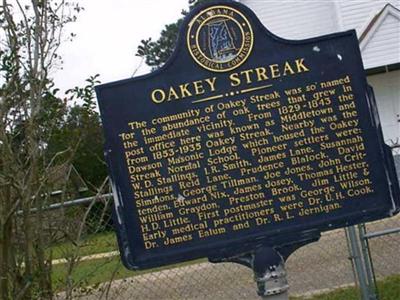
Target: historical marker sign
[243, 138]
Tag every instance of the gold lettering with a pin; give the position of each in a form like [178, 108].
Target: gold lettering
[275, 70]
[300, 66]
[247, 73]
[198, 87]
[235, 80]
[156, 99]
[184, 90]
[172, 94]
[287, 69]
[211, 82]
[261, 74]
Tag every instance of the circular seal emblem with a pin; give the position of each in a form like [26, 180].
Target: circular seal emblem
[220, 38]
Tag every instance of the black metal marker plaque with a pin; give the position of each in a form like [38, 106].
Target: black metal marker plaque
[243, 138]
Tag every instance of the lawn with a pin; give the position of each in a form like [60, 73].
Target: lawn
[97, 271]
[93, 244]
[94, 272]
[389, 289]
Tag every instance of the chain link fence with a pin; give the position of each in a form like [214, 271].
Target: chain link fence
[382, 238]
[86, 263]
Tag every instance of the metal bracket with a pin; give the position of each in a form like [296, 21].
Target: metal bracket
[268, 264]
[269, 272]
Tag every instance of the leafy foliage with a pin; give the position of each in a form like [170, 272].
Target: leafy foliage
[82, 129]
[156, 53]
[41, 137]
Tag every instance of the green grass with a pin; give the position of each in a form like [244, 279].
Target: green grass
[93, 244]
[91, 272]
[97, 271]
[389, 289]
[94, 272]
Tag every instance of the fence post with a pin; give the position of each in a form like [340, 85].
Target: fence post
[360, 265]
[369, 267]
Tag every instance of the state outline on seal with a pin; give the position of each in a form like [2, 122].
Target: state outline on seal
[220, 38]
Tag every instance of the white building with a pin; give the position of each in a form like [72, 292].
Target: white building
[377, 23]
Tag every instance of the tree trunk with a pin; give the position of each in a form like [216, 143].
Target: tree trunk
[5, 246]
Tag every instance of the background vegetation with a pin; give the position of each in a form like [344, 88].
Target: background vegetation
[44, 136]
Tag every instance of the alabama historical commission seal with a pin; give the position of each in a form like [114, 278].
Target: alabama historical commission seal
[220, 38]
